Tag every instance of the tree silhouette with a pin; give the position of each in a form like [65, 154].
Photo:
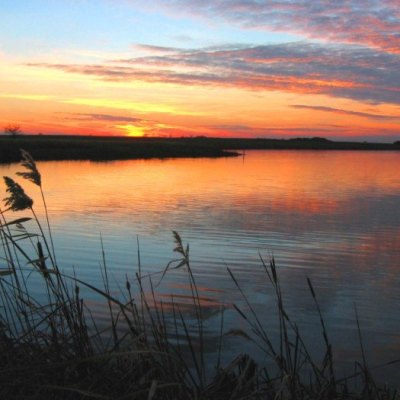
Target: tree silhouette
[13, 130]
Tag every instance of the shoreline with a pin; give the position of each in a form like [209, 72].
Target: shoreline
[97, 148]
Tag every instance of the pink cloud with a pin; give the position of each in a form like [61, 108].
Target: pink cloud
[372, 23]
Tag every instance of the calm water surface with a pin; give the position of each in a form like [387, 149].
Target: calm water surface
[331, 216]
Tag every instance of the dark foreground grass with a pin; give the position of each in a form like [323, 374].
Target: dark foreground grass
[52, 348]
[44, 147]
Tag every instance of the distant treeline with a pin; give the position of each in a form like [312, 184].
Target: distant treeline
[98, 148]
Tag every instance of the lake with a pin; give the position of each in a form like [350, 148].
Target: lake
[331, 216]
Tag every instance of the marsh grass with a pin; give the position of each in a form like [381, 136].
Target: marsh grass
[51, 346]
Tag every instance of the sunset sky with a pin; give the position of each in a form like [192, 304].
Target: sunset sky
[235, 68]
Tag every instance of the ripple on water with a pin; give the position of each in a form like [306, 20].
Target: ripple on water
[317, 213]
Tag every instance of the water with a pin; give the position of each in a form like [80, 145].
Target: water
[331, 216]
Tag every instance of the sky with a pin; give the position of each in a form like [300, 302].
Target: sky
[237, 68]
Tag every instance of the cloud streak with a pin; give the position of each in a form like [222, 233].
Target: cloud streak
[106, 118]
[352, 72]
[277, 131]
[378, 117]
[155, 49]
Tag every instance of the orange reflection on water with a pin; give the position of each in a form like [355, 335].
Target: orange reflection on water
[307, 182]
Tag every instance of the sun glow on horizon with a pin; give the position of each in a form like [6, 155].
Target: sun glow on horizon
[133, 131]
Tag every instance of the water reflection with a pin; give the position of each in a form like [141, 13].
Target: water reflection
[331, 216]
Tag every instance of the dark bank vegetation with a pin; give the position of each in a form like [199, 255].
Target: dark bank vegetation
[51, 346]
[301, 143]
[103, 148]
[43, 147]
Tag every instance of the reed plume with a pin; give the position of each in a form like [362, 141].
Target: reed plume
[33, 173]
[18, 199]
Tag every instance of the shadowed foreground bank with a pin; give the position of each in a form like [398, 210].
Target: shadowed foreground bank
[119, 148]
